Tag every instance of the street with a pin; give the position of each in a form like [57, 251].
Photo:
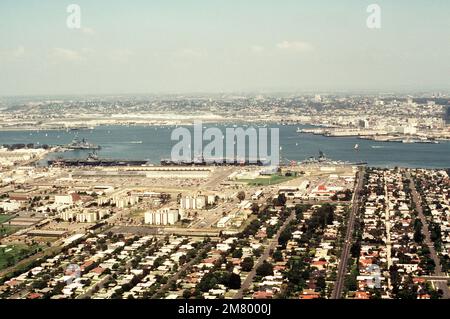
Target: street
[438, 269]
[342, 268]
[265, 255]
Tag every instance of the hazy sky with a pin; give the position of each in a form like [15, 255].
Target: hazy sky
[131, 46]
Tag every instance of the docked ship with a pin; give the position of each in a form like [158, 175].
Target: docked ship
[94, 160]
[76, 144]
[214, 162]
[323, 160]
[425, 141]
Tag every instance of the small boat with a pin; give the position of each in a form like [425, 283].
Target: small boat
[356, 146]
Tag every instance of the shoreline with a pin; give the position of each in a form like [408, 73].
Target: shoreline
[380, 137]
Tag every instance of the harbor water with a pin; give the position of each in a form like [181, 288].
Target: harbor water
[152, 143]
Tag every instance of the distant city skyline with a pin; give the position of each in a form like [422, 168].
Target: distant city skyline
[155, 47]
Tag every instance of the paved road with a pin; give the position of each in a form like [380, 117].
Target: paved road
[265, 255]
[99, 285]
[387, 222]
[175, 277]
[438, 269]
[436, 278]
[342, 268]
[218, 176]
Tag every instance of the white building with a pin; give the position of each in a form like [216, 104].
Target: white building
[69, 215]
[83, 217]
[193, 202]
[125, 201]
[211, 199]
[405, 129]
[257, 195]
[10, 206]
[163, 216]
[87, 217]
[67, 199]
[224, 222]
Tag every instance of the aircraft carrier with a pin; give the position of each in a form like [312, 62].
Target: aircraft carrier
[214, 162]
[93, 160]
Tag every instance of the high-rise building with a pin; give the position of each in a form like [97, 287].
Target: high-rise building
[193, 202]
[163, 216]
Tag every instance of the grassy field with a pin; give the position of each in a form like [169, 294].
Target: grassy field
[8, 230]
[272, 180]
[137, 213]
[11, 254]
[4, 218]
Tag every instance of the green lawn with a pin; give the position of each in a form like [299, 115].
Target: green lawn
[11, 254]
[8, 230]
[4, 218]
[273, 179]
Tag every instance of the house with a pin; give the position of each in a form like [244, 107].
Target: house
[319, 264]
[362, 295]
[308, 294]
[262, 295]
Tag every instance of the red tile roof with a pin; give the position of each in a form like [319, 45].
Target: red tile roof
[309, 296]
[34, 295]
[362, 295]
[263, 295]
[98, 270]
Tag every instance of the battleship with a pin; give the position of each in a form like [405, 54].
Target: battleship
[76, 144]
[94, 160]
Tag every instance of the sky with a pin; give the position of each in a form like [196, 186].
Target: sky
[179, 46]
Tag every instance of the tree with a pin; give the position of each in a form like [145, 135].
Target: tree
[280, 200]
[356, 248]
[241, 196]
[237, 253]
[418, 236]
[265, 269]
[277, 255]
[255, 208]
[320, 283]
[234, 282]
[187, 294]
[207, 282]
[247, 264]
[299, 211]
[39, 284]
[284, 237]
